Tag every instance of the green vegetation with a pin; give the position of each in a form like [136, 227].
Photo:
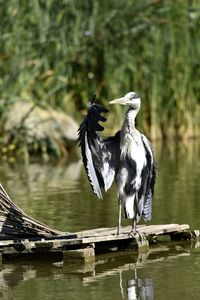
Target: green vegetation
[59, 53]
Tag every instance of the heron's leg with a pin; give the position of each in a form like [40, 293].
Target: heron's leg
[136, 210]
[119, 214]
[134, 227]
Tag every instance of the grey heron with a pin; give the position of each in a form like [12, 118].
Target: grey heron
[126, 157]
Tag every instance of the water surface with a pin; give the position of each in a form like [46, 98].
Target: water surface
[60, 196]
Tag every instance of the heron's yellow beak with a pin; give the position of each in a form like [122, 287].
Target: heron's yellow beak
[121, 100]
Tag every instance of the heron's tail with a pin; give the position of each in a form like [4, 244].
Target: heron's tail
[129, 207]
[133, 208]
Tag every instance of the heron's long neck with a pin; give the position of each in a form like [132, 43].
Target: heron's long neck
[129, 122]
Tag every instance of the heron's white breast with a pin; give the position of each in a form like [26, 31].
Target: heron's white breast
[133, 147]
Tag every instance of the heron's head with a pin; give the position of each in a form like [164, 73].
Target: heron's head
[131, 99]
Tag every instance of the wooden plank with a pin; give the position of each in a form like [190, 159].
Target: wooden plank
[105, 231]
[86, 255]
[99, 235]
[96, 232]
[126, 232]
[151, 229]
[83, 239]
[163, 229]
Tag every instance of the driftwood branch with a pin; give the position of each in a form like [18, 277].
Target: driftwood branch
[15, 223]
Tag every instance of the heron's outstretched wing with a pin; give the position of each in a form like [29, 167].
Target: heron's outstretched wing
[99, 155]
[151, 179]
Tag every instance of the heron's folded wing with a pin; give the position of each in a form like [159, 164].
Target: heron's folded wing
[98, 155]
[151, 168]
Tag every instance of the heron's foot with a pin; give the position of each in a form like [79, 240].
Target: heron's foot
[134, 233]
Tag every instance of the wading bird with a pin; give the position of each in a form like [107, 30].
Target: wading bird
[126, 157]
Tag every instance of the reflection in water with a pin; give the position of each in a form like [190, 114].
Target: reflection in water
[111, 277]
[137, 288]
[140, 289]
[40, 178]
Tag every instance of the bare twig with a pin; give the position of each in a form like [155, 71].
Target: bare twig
[15, 223]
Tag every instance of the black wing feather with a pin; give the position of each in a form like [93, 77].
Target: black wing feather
[99, 156]
[151, 179]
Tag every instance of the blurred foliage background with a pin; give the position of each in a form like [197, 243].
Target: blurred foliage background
[59, 53]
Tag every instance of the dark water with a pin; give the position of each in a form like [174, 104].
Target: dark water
[59, 195]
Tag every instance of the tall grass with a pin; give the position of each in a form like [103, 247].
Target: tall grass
[62, 52]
